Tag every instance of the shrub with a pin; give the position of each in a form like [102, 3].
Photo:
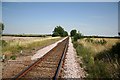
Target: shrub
[4, 43]
[89, 40]
[102, 42]
[111, 57]
[13, 57]
[76, 37]
[75, 44]
[96, 68]
[113, 53]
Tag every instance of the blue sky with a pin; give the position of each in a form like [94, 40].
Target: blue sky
[60, 0]
[0, 11]
[90, 18]
[119, 17]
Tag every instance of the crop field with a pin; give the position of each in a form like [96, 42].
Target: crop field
[19, 46]
[100, 56]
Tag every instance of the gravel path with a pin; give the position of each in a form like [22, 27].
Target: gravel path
[44, 50]
[72, 68]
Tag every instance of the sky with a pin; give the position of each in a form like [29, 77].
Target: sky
[0, 11]
[90, 18]
[119, 17]
[60, 0]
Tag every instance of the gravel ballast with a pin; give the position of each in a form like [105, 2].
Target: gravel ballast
[71, 67]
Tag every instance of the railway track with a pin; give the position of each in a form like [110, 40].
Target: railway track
[49, 66]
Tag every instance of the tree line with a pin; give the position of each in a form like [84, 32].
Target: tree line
[59, 31]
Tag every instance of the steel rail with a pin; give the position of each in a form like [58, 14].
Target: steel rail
[26, 70]
[61, 61]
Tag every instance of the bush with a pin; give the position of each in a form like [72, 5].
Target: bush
[3, 42]
[98, 70]
[89, 40]
[75, 44]
[115, 50]
[102, 42]
[76, 37]
[13, 57]
[113, 53]
[94, 67]
[111, 57]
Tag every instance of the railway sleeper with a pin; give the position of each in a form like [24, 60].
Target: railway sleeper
[41, 72]
[40, 75]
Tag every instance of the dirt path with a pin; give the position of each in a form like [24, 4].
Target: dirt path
[72, 68]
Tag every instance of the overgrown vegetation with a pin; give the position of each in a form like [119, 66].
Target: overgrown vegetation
[113, 54]
[12, 49]
[111, 58]
[102, 42]
[13, 57]
[59, 31]
[3, 43]
[105, 64]
[76, 35]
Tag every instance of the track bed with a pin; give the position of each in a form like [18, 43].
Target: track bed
[47, 66]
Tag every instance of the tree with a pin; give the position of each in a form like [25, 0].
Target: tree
[76, 35]
[80, 35]
[73, 32]
[55, 34]
[65, 34]
[1, 28]
[59, 31]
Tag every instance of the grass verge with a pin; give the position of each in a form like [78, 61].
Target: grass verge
[99, 66]
[12, 51]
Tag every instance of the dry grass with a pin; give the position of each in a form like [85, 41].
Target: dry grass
[26, 44]
[93, 54]
[25, 40]
[96, 48]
